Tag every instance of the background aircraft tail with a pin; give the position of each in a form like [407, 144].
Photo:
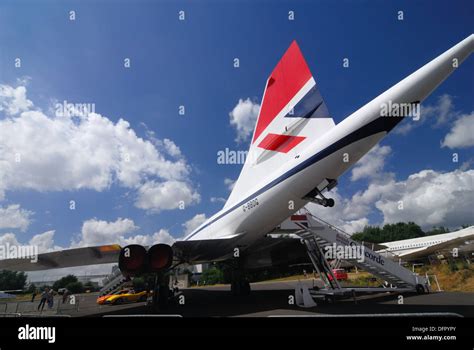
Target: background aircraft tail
[292, 114]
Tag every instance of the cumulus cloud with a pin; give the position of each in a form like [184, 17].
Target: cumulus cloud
[13, 100]
[461, 134]
[14, 217]
[44, 241]
[97, 232]
[192, 224]
[371, 164]
[57, 153]
[156, 196]
[8, 239]
[428, 198]
[171, 148]
[243, 118]
[338, 215]
[439, 113]
[161, 236]
[94, 232]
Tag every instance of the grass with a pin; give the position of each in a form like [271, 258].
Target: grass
[456, 277]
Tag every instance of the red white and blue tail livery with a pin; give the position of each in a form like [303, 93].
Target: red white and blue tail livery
[292, 115]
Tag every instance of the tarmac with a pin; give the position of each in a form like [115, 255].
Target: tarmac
[275, 299]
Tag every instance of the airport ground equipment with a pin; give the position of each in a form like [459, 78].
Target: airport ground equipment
[113, 282]
[319, 236]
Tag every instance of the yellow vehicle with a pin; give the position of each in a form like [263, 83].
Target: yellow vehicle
[127, 297]
[102, 299]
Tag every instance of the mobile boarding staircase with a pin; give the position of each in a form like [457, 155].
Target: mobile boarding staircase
[318, 234]
[113, 282]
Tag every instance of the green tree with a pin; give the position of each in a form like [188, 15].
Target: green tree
[89, 286]
[371, 234]
[212, 275]
[389, 233]
[74, 287]
[10, 280]
[437, 230]
[64, 281]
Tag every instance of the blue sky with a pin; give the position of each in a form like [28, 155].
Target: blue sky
[190, 63]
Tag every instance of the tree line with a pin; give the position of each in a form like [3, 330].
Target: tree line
[396, 232]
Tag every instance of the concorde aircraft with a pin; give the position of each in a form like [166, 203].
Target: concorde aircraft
[296, 154]
[421, 247]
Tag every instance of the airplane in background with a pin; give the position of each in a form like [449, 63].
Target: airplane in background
[422, 247]
[455, 243]
[296, 154]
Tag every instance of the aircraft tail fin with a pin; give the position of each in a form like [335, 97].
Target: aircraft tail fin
[292, 115]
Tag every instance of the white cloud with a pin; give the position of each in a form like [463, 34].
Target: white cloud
[439, 113]
[462, 133]
[192, 224]
[14, 100]
[443, 111]
[93, 233]
[156, 196]
[13, 216]
[229, 183]
[243, 118]
[44, 241]
[161, 236]
[218, 200]
[467, 164]
[353, 226]
[338, 215]
[8, 239]
[430, 198]
[61, 153]
[97, 232]
[370, 165]
[171, 148]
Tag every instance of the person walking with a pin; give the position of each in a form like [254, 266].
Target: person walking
[44, 298]
[33, 296]
[50, 299]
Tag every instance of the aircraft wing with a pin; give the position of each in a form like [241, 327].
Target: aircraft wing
[425, 251]
[279, 246]
[104, 254]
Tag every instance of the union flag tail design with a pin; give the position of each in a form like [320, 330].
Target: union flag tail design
[292, 115]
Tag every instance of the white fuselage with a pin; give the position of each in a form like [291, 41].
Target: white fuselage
[408, 246]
